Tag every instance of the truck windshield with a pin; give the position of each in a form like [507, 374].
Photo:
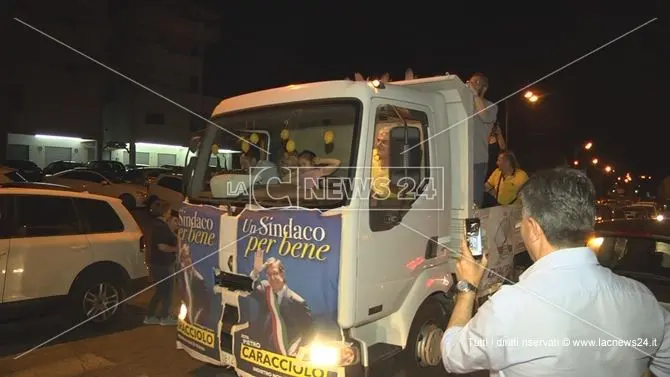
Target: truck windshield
[283, 145]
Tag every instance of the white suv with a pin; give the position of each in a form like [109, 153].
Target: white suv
[59, 246]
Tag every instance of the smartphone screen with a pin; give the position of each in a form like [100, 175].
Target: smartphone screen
[473, 237]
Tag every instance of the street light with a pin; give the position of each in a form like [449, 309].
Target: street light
[595, 161]
[608, 169]
[588, 145]
[575, 162]
[528, 95]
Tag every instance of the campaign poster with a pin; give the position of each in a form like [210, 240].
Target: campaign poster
[293, 257]
[498, 224]
[199, 231]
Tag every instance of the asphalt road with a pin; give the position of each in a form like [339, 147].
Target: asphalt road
[130, 349]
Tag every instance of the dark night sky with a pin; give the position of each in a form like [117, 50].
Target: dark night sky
[612, 97]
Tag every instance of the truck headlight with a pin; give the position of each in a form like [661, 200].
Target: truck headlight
[182, 312]
[329, 354]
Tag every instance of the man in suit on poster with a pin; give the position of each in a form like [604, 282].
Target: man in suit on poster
[284, 320]
[193, 284]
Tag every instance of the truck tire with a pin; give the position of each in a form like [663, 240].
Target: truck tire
[422, 355]
[97, 298]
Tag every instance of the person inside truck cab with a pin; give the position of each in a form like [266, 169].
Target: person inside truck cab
[311, 168]
[486, 113]
[504, 183]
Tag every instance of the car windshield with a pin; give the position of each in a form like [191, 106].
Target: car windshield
[267, 144]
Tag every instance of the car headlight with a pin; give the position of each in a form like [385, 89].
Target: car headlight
[183, 310]
[660, 218]
[329, 354]
[595, 243]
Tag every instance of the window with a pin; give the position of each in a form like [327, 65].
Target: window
[400, 164]
[154, 118]
[98, 216]
[396, 174]
[634, 255]
[171, 183]
[33, 218]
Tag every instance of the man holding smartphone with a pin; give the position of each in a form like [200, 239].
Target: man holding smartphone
[554, 320]
[486, 113]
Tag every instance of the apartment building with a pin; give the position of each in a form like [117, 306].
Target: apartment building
[66, 107]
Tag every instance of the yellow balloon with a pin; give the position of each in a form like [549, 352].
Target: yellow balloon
[328, 137]
[290, 146]
[245, 146]
[215, 149]
[254, 138]
[284, 134]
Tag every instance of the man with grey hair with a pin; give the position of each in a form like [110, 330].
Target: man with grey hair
[567, 315]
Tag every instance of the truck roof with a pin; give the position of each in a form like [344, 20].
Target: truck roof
[325, 90]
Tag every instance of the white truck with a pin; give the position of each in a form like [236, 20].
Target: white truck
[336, 278]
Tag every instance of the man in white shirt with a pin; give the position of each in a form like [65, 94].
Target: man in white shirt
[568, 315]
[485, 117]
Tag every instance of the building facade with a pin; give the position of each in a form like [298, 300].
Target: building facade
[64, 106]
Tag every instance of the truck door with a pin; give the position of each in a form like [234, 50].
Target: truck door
[401, 217]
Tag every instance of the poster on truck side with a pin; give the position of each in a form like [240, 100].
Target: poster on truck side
[199, 231]
[500, 241]
[293, 257]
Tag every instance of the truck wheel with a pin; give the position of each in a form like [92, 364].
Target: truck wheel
[97, 299]
[422, 356]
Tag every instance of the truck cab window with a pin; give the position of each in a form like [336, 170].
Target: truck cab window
[400, 163]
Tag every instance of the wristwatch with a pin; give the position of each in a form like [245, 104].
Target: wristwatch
[463, 286]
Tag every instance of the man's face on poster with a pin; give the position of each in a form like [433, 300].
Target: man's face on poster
[275, 277]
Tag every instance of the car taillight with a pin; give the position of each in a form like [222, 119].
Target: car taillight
[143, 245]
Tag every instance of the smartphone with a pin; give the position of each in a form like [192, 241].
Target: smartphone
[473, 237]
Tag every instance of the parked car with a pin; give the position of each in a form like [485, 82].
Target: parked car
[10, 175]
[115, 167]
[67, 250]
[604, 212]
[132, 195]
[637, 248]
[168, 187]
[28, 169]
[636, 211]
[59, 166]
[144, 176]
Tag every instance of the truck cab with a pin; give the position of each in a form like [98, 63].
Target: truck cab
[334, 277]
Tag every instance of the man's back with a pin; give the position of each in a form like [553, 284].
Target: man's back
[569, 316]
